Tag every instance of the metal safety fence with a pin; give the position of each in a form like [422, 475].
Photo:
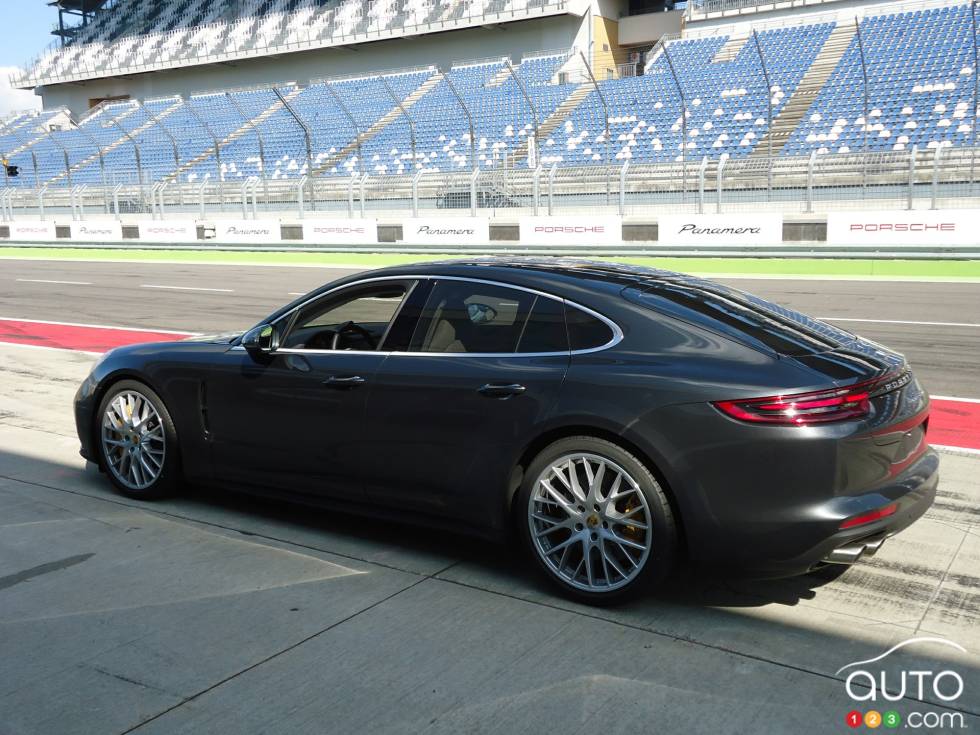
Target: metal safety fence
[938, 178]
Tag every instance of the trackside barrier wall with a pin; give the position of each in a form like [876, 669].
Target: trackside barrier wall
[247, 231]
[446, 231]
[32, 231]
[96, 231]
[340, 231]
[940, 229]
[164, 231]
[750, 230]
[569, 230]
[883, 228]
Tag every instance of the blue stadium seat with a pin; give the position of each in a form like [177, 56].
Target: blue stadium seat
[920, 87]
[920, 92]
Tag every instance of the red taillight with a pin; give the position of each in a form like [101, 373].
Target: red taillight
[815, 407]
[800, 409]
[874, 515]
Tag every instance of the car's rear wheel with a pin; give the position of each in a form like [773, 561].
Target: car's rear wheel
[596, 520]
[137, 441]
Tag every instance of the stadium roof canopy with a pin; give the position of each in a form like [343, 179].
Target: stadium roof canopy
[67, 9]
[79, 6]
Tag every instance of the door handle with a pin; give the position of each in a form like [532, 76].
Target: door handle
[496, 390]
[344, 383]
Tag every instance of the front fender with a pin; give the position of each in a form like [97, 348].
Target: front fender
[177, 372]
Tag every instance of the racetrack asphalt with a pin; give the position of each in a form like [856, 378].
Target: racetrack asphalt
[935, 324]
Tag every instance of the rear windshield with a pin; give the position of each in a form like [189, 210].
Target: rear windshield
[739, 315]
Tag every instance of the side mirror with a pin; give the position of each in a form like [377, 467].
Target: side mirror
[262, 340]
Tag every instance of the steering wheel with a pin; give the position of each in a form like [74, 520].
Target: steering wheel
[352, 327]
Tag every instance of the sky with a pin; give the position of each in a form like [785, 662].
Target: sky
[27, 30]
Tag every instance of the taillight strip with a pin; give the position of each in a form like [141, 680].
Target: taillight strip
[814, 407]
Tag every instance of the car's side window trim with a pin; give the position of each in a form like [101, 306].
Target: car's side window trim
[530, 313]
[394, 317]
[415, 278]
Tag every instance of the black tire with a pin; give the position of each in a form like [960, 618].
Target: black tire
[663, 542]
[168, 480]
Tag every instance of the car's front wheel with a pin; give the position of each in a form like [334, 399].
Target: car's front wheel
[137, 441]
[596, 520]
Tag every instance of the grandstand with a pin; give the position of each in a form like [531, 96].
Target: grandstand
[824, 88]
[132, 36]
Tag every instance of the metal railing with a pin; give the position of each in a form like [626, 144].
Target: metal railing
[708, 9]
[939, 178]
[700, 9]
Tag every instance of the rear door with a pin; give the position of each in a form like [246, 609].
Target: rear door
[464, 386]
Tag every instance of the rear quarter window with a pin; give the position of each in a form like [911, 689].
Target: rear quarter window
[585, 331]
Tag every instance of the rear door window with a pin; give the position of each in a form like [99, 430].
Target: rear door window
[470, 317]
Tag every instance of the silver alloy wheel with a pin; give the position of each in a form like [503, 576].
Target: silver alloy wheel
[590, 522]
[133, 440]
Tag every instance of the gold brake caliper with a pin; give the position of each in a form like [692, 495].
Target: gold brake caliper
[633, 533]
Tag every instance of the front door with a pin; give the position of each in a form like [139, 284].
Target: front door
[293, 420]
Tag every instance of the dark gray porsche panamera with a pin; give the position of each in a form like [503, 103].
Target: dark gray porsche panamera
[617, 417]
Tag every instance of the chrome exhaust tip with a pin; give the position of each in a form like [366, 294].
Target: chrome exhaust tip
[872, 547]
[845, 555]
[851, 552]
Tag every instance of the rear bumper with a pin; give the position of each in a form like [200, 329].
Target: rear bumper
[814, 538]
[850, 546]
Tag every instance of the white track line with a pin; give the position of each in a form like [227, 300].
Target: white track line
[157, 261]
[45, 280]
[94, 326]
[187, 288]
[896, 321]
[954, 398]
[23, 346]
[957, 450]
[824, 277]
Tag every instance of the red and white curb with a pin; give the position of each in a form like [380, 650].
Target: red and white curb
[81, 337]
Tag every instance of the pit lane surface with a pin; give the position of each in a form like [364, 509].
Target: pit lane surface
[216, 613]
